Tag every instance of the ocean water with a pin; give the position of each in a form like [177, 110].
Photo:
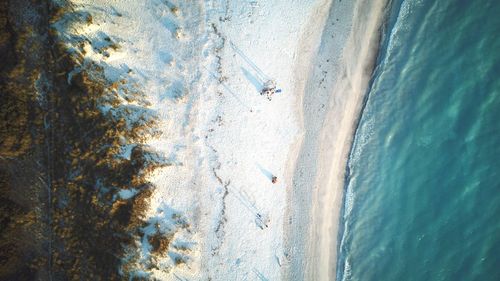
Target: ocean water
[422, 196]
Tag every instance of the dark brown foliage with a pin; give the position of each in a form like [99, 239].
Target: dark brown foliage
[60, 169]
[160, 243]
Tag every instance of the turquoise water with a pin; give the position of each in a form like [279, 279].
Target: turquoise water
[422, 199]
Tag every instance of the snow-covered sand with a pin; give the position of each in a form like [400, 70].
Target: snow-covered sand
[201, 64]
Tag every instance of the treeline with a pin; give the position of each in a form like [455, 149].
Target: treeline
[62, 138]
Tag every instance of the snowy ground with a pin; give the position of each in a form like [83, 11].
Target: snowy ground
[202, 65]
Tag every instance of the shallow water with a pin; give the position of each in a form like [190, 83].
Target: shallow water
[422, 200]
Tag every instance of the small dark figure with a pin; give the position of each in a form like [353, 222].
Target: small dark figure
[262, 221]
[274, 179]
[269, 89]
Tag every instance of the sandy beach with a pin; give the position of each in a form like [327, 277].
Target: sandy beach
[332, 100]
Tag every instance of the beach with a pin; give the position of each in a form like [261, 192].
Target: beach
[201, 67]
[331, 105]
[249, 140]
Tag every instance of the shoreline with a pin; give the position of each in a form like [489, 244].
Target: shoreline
[328, 135]
[198, 146]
